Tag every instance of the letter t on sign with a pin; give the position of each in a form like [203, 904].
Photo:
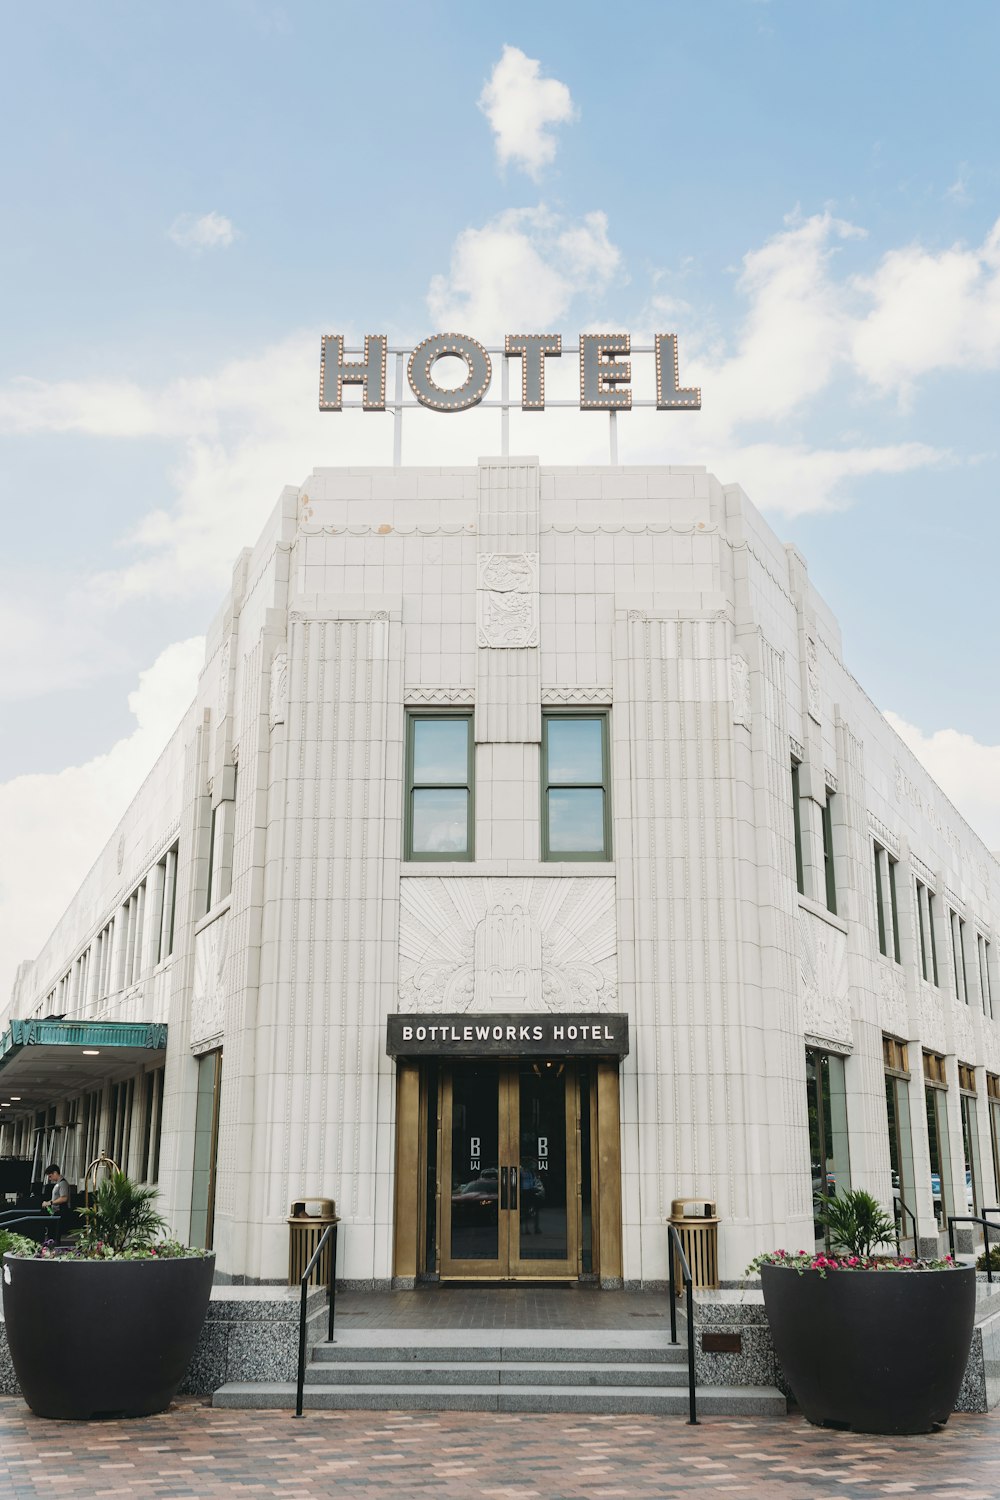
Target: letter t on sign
[369, 372]
[533, 347]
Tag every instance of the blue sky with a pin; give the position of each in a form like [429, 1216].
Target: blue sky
[806, 193]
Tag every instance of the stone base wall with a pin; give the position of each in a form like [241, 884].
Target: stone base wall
[740, 1316]
[250, 1333]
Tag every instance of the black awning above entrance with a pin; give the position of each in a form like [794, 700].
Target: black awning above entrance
[491, 1035]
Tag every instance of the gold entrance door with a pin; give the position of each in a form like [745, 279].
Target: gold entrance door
[509, 1171]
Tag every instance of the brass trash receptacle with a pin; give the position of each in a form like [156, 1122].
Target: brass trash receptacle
[308, 1218]
[697, 1225]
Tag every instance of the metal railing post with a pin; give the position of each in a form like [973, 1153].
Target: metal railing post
[329, 1232]
[332, 1288]
[954, 1219]
[673, 1240]
[673, 1288]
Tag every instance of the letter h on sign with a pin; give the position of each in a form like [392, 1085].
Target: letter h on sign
[369, 372]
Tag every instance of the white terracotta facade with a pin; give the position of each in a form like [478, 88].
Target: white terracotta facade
[511, 589]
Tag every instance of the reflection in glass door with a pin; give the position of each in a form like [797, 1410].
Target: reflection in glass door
[510, 1179]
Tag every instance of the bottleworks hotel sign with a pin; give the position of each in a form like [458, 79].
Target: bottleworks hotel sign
[605, 372]
[531, 1035]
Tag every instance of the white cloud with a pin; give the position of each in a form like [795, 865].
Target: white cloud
[54, 825]
[966, 771]
[521, 106]
[928, 311]
[522, 270]
[211, 231]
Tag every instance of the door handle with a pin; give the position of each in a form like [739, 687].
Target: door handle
[503, 1187]
[513, 1187]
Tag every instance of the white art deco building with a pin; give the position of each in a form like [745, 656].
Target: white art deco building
[529, 858]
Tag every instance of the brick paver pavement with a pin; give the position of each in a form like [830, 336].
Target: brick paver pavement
[195, 1452]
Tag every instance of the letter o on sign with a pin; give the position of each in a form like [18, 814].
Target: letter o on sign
[426, 355]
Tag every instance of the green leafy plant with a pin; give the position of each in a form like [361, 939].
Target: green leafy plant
[856, 1222]
[120, 1219]
[994, 1259]
[16, 1244]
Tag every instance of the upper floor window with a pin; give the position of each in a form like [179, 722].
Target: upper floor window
[221, 840]
[925, 933]
[800, 876]
[576, 811]
[886, 913]
[985, 984]
[828, 868]
[439, 784]
[958, 957]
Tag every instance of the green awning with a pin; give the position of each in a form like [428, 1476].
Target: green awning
[42, 1061]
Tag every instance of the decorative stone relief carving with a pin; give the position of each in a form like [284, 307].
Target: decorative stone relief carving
[812, 679]
[507, 599]
[739, 688]
[584, 696]
[823, 980]
[278, 695]
[797, 748]
[965, 1036]
[505, 944]
[422, 694]
[208, 993]
[932, 1027]
[892, 1008]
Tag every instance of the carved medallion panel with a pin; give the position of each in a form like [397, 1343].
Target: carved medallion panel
[507, 944]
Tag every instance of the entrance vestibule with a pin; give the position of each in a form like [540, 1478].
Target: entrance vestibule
[508, 1169]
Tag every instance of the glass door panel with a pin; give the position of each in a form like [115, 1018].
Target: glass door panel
[474, 1150]
[543, 1212]
[508, 1163]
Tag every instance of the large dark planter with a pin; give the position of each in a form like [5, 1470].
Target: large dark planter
[103, 1338]
[872, 1351]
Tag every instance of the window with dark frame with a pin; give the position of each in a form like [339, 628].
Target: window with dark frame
[936, 1101]
[576, 810]
[828, 866]
[985, 983]
[993, 1107]
[826, 1105]
[957, 927]
[925, 927]
[800, 876]
[897, 1102]
[439, 818]
[970, 1138]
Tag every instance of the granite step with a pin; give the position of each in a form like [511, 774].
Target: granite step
[480, 1345]
[495, 1372]
[758, 1401]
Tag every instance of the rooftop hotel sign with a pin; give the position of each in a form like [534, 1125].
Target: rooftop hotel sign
[605, 371]
[605, 362]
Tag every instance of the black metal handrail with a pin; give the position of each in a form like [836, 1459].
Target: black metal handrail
[331, 1290]
[21, 1216]
[901, 1209]
[973, 1219]
[674, 1242]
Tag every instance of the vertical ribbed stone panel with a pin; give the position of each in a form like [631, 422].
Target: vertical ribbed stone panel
[328, 965]
[867, 1128]
[682, 909]
[784, 1148]
[508, 686]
